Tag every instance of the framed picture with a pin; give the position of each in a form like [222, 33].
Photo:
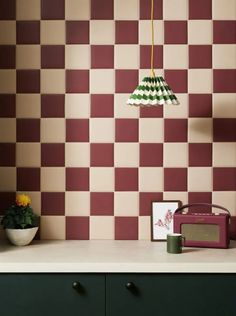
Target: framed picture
[162, 218]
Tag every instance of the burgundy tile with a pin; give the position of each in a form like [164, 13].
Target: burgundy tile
[126, 130]
[200, 10]
[145, 9]
[77, 130]
[7, 105]
[7, 199]
[102, 105]
[77, 32]
[200, 197]
[126, 81]
[7, 154]
[52, 105]
[200, 155]
[28, 32]
[224, 179]
[145, 202]
[224, 32]
[52, 155]
[126, 179]
[28, 130]
[102, 203]
[53, 203]
[28, 81]
[176, 130]
[53, 9]
[77, 179]
[177, 80]
[77, 81]
[126, 228]
[175, 179]
[151, 155]
[7, 56]
[53, 56]
[232, 227]
[200, 56]
[145, 55]
[224, 129]
[28, 179]
[224, 80]
[102, 155]
[7, 9]
[102, 10]
[175, 32]
[200, 105]
[77, 227]
[152, 111]
[102, 56]
[126, 32]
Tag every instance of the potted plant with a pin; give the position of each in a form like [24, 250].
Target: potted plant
[20, 222]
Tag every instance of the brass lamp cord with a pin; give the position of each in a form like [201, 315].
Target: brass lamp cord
[152, 48]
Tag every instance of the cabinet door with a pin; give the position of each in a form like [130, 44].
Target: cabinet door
[52, 295]
[171, 294]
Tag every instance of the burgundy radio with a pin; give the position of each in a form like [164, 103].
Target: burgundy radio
[203, 229]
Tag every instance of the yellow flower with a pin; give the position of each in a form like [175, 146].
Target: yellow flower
[23, 200]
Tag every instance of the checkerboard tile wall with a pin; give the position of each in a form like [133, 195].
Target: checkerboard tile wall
[91, 164]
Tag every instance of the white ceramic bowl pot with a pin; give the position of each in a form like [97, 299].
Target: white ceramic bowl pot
[21, 237]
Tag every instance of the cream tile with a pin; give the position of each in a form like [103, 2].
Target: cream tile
[101, 227]
[8, 81]
[175, 10]
[126, 10]
[222, 10]
[151, 130]
[28, 57]
[200, 32]
[77, 9]
[28, 106]
[200, 179]
[77, 155]
[224, 105]
[53, 130]
[101, 179]
[224, 154]
[77, 56]
[226, 199]
[150, 179]
[35, 201]
[7, 32]
[102, 81]
[7, 130]
[53, 179]
[200, 130]
[52, 227]
[126, 155]
[52, 81]
[126, 56]
[77, 203]
[7, 179]
[77, 105]
[144, 228]
[102, 130]
[179, 111]
[147, 73]
[121, 109]
[53, 32]
[126, 204]
[102, 32]
[224, 56]
[176, 196]
[175, 155]
[200, 81]
[145, 37]
[28, 9]
[175, 56]
[28, 155]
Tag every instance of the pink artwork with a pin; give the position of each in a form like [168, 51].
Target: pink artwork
[167, 220]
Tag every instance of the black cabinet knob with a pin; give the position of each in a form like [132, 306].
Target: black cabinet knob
[130, 285]
[76, 285]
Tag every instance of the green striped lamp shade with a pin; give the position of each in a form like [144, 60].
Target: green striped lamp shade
[152, 91]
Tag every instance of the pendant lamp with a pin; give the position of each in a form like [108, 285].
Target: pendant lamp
[152, 90]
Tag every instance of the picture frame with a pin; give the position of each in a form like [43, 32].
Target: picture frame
[162, 218]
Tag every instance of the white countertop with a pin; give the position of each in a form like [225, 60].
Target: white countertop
[113, 256]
